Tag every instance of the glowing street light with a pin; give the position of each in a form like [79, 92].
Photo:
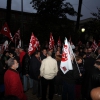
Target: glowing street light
[83, 29]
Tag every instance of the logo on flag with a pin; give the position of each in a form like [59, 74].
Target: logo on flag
[66, 63]
[51, 42]
[6, 31]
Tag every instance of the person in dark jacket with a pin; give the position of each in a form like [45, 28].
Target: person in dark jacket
[35, 72]
[94, 77]
[2, 71]
[69, 80]
[25, 72]
[43, 54]
[88, 65]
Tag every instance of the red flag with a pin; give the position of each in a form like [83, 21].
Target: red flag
[32, 48]
[37, 44]
[94, 46]
[6, 31]
[51, 42]
[59, 42]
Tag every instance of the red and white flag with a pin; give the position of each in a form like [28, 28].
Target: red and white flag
[59, 42]
[37, 44]
[6, 31]
[51, 42]
[5, 45]
[66, 63]
[32, 46]
[94, 45]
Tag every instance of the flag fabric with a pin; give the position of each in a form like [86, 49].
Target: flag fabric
[59, 42]
[66, 63]
[71, 43]
[19, 44]
[17, 36]
[94, 45]
[6, 31]
[37, 44]
[5, 45]
[33, 44]
[51, 42]
[71, 53]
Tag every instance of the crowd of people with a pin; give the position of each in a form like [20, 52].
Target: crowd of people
[42, 71]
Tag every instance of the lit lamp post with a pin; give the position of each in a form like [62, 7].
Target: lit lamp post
[83, 30]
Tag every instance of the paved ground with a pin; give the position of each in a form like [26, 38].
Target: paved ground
[33, 97]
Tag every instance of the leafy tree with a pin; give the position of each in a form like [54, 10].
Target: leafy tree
[97, 15]
[53, 8]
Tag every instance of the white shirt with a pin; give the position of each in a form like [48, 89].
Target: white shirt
[48, 68]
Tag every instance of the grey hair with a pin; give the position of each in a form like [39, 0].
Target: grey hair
[49, 53]
[10, 62]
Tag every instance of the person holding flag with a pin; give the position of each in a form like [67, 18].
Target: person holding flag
[69, 72]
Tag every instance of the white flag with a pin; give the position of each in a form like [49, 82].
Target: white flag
[66, 63]
[5, 45]
[19, 44]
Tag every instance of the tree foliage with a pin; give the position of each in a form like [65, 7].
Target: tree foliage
[97, 15]
[53, 8]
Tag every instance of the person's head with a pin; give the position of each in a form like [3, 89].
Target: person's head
[58, 49]
[44, 51]
[6, 53]
[49, 53]
[20, 50]
[95, 93]
[12, 63]
[79, 59]
[37, 54]
[89, 50]
[97, 63]
[57, 52]
[11, 54]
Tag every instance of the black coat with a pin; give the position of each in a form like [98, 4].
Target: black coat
[25, 64]
[34, 67]
[2, 71]
[71, 76]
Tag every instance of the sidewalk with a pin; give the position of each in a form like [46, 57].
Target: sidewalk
[33, 97]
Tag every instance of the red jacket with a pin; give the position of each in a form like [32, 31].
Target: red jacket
[13, 85]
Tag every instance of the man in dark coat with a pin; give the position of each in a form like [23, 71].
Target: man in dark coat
[35, 72]
[25, 72]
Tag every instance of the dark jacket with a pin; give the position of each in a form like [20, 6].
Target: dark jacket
[25, 64]
[34, 68]
[2, 71]
[71, 76]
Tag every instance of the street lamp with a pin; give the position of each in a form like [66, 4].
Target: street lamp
[83, 30]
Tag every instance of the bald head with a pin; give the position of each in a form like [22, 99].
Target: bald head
[95, 93]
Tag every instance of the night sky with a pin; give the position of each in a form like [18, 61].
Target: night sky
[88, 6]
